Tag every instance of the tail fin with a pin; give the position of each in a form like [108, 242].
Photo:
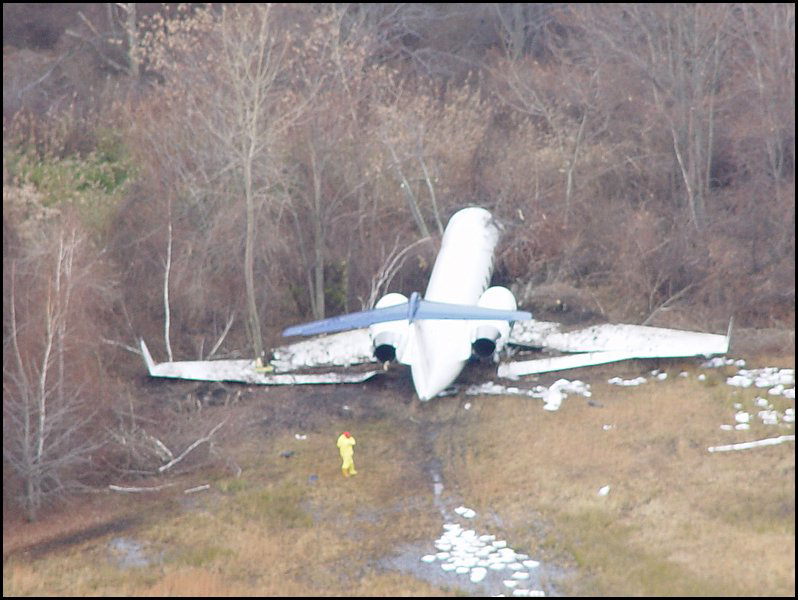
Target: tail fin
[147, 357]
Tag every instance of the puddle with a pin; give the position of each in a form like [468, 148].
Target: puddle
[466, 561]
[128, 553]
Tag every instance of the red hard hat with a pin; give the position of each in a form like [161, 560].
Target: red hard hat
[346, 433]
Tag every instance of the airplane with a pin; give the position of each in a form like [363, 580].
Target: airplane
[459, 317]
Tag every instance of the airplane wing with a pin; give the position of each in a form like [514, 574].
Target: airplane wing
[243, 371]
[602, 344]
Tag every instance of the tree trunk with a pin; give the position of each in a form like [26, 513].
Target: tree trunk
[249, 262]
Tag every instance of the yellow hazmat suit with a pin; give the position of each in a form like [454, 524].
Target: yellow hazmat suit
[345, 445]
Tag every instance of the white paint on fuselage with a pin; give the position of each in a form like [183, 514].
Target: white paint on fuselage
[461, 273]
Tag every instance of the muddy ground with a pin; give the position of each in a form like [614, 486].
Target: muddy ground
[531, 477]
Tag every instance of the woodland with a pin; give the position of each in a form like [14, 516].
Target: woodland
[203, 175]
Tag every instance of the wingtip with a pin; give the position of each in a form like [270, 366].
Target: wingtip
[147, 356]
[729, 333]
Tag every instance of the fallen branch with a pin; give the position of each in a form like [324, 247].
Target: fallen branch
[202, 440]
[119, 488]
[221, 337]
[199, 488]
[667, 303]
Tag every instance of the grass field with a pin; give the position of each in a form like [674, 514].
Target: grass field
[678, 520]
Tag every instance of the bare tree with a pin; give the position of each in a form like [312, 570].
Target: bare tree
[768, 32]
[679, 51]
[228, 83]
[44, 415]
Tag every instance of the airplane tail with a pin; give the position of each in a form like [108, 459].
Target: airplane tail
[414, 308]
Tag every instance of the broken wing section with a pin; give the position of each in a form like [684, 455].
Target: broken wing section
[243, 371]
[602, 344]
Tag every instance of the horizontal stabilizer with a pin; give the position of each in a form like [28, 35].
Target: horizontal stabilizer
[442, 310]
[350, 321]
[424, 309]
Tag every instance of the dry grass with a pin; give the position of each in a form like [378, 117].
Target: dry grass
[271, 532]
[677, 521]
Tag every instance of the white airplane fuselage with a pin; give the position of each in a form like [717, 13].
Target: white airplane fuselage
[438, 349]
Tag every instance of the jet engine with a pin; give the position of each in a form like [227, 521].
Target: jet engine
[489, 336]
[388, 337]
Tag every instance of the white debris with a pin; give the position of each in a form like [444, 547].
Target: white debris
[520, 575]
[464, 512]
[742, 426]
[742, 417]
[719, 361]
[701, 377]
[521, 592]
[740, 381]
[466, 552]
[746, 445]
[300, 436]
[684, 374]
[531, 564]
[553, 398]
[626, 382]
[604, 490]
[467, 405]
[443, 546]
[345, 348]
[727, 427]
[662, 376]
[552, 395]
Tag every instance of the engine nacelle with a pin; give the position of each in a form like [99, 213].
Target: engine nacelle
[387, 338]
[487, 337]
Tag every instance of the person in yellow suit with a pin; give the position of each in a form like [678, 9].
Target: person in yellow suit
[346, 446]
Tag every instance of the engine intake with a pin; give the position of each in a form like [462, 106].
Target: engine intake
[489, 336]
[484, 344]
[387, 338]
